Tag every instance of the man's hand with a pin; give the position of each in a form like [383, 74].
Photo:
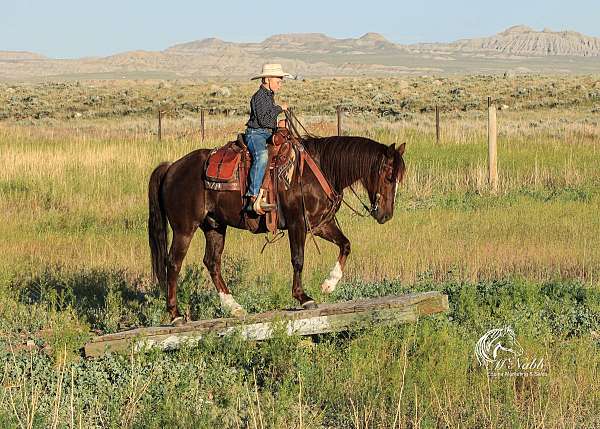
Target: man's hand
[284, 106]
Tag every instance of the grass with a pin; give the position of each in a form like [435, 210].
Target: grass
[90, 202]
[422, 375]
[75, 262]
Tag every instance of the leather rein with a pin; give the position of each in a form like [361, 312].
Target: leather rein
[292, 120]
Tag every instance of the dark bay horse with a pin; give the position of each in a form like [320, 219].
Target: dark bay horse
[177, 194]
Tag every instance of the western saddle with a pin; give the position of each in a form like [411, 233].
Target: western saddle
[228, 166]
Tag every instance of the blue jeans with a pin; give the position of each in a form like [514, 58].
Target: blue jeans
[256, 139]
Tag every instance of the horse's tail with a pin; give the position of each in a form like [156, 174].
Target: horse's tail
[157, 226]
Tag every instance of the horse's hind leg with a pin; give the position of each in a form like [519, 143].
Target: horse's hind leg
[332, 233]
[215, 242]
[297, 236]
[179, 248]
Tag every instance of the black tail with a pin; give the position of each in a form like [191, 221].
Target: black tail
[157, 226]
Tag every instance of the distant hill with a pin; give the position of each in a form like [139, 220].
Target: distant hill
[517, 49]
[20, 55]
[294, 42]
[522, 40]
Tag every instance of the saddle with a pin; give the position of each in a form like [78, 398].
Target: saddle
[228, 167]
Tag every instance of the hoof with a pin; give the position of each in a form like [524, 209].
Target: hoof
[178, 321]
[328, 287]
[239, 313]
[230, 304]
[309, 305]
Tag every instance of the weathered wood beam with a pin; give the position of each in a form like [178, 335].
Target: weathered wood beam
[326, 318]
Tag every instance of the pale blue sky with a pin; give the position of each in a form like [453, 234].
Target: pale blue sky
[69, 28]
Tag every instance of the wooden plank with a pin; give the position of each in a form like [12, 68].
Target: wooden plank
[327, 318]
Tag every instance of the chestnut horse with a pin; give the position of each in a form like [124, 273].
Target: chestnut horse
[177, 194]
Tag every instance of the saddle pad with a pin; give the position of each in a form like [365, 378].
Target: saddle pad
[223, 164]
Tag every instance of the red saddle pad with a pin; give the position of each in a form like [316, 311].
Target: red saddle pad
[223, 164]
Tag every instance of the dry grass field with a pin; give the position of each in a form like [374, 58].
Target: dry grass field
[76, 159]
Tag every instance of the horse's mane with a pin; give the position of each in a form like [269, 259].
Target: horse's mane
[343, 159]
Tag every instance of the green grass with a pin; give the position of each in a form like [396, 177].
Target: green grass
[75, 262]
[83, 189]
[422, 375]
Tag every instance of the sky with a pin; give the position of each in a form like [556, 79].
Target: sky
[71, 29]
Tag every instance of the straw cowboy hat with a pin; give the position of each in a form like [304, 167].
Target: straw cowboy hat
[272, 70]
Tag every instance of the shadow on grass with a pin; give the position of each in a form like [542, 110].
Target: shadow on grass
[106, 300]
[113, 300]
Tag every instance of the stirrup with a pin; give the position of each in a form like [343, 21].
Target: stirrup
[257, 204]
[260, 205]
[252, 206]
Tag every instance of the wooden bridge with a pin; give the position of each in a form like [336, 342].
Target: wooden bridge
[336, 317]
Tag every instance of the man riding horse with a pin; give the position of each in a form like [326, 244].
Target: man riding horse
[260, 127]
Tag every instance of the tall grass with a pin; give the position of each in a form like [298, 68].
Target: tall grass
[75, 195]
[75, 260]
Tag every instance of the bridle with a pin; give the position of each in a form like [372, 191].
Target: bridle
[383, 171]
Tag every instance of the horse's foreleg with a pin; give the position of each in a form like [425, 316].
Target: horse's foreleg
[297, 237]
[179, 248]
[215, 243]
[332, 233]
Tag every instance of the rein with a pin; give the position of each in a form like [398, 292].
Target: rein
[356, 212]
[292, 120]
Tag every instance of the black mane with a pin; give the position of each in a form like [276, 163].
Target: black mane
[345, 160]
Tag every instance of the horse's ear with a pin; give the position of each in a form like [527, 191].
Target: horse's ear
[390, 150]
[401, 148]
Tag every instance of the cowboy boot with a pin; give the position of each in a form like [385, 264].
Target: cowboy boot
[252, 208]
[257, 206]
[249, 204]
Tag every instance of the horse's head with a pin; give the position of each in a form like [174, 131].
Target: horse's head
[383, 186]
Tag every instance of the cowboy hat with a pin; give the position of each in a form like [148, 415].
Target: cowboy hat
[272, 70]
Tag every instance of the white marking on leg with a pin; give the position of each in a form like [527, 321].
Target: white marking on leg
[228, 303]
[335, 275]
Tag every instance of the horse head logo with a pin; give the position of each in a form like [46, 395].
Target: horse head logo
[495, 344]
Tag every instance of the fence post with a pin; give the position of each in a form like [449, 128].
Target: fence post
[437, 124]
[202, 122]
[492, 147]
[339, 120]
[159, 124]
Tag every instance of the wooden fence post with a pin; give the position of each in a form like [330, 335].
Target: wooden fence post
[437, 124]
[492, 146]
[159, 124]
[202, 122]
[339, 120]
